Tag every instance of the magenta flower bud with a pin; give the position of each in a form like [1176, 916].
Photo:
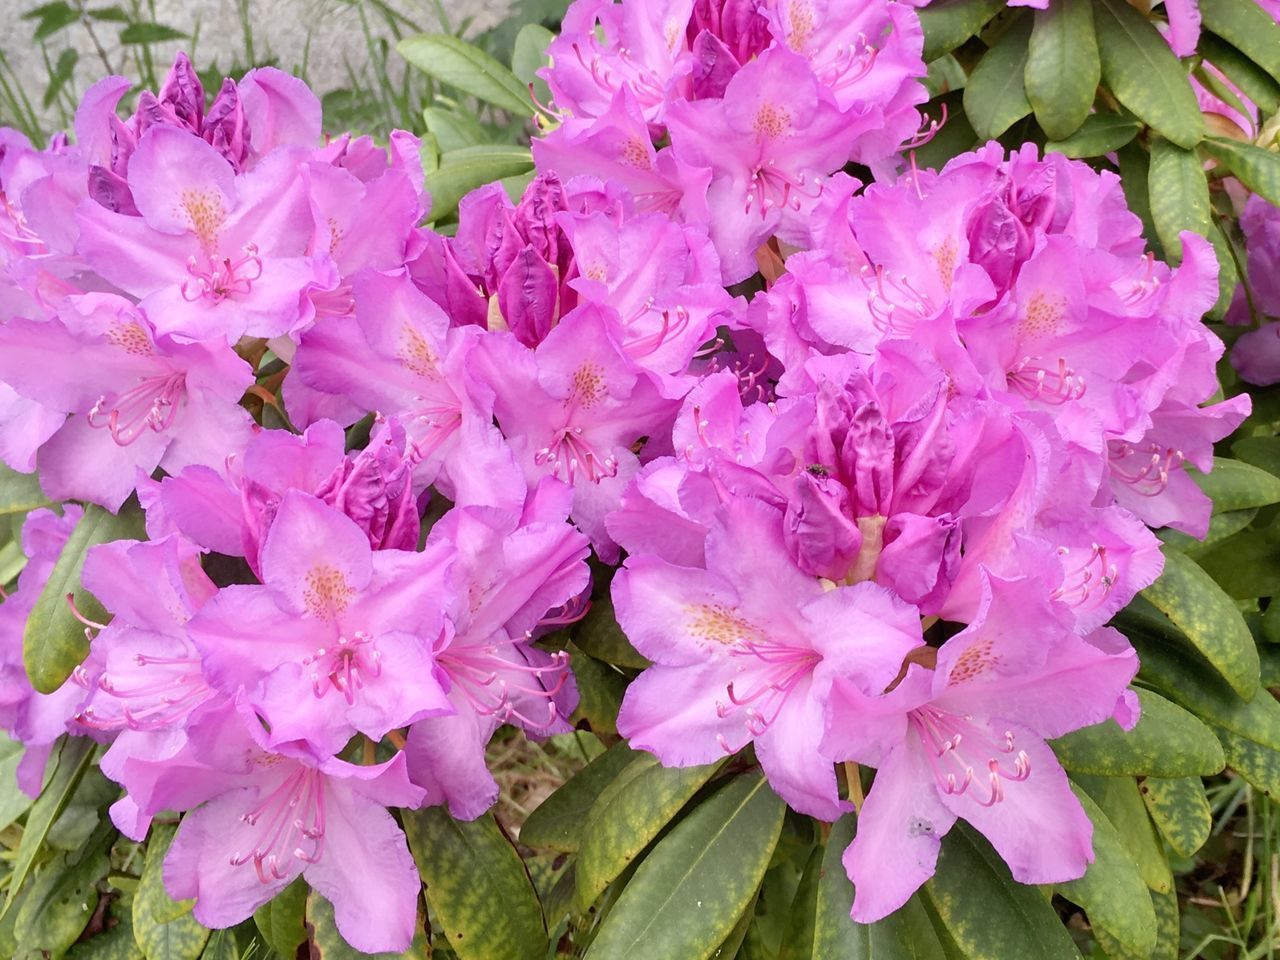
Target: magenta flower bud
[920, 558]
[226, 128]
[183, 93]
[374, 488]
[818, 530]
[112, 191]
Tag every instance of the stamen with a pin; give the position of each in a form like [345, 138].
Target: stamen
[1144, 469]
[151, 405]
[1052, 386]
[223, 278]
[1093, 578]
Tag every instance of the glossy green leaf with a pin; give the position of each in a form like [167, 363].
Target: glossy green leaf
[13, 802]
[1142, 72]
[996, 96]
[1168, 933]
[1100, 134]
[1256, 168]
[1135, 180]
[600, 690]
[1180, 810]
[629, 812]
[797, 940]
[599, 635]
[142, 33]
[20, 492]
[477, 888]
[461, 171]
[557, 823]
[1254, 82]
[54, 641]
[116, 942]
[1121, 800]
[906, 934]
[458, 64]
[1179, 195]
[1063, 69]
[530, 55]
[74, 757]
[1246, 565]
[949, 23]
[1256, 762]
[1236, 485]
[689, 892]
[63, 897]
[453, 128]
[1221, 526]
[1180, 674]
[282, 921]
[984, 912]
[222, 946]
[1167, 741]
[1247, 27]
[1228, 274]
[164, 927]
[1112, 891]
[1208, 617]
[327, 943]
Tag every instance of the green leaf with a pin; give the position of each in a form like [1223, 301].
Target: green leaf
[1179, 195]
[996, 97]
[599, 635]
[1063, 69]
[74, 757]
[454, 129]
[949, 23]
[13, 801]
[1254, 82]
[54, 17]
[20, 492]
[1201, 609]
[1168, 933]
[689, 892]
[1256, 168]
[1101, 133]
[984, 912]
[64, 897]
[222, 946]
[114, 943]
[1221, 526]
[1142, 72]
[54, 641]
[1256, 762]
[1246, 565]
[460, 65]
[557, 822]
[60, 74]
[1236, 485]
[600, 690]
[797, 941]
[477, 888]
[282, 921]
[1111, 891]
[1167, 741]
[1121, 800]
[149, 33]
[327, 942]
[530, 55]
[163, 927]
[1180, 810]
[906, 934]
[461, 171]
[628, 814]
[1248, 28]
[111, 14]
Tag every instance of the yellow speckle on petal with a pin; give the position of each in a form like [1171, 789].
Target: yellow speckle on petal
[588, 385]
[800, 23]
[205, 213]
[973, 662]
[772, 120]
[720, 624]
[1043, 316]
[416, 354]
[131, 338]
[327, 594]
[335, 234]
[944, 258]
[635, 153]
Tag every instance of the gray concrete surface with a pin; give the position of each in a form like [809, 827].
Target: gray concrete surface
[281, 27]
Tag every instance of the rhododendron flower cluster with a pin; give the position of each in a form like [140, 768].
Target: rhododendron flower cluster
[877, 504]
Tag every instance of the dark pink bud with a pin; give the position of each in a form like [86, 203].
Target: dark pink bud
[112, 191]
[226, 128]
[527, 297]
[182, 93]
[713, 66]
[919, 559]
[998, 242]
[374, 488]
[819, 531]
